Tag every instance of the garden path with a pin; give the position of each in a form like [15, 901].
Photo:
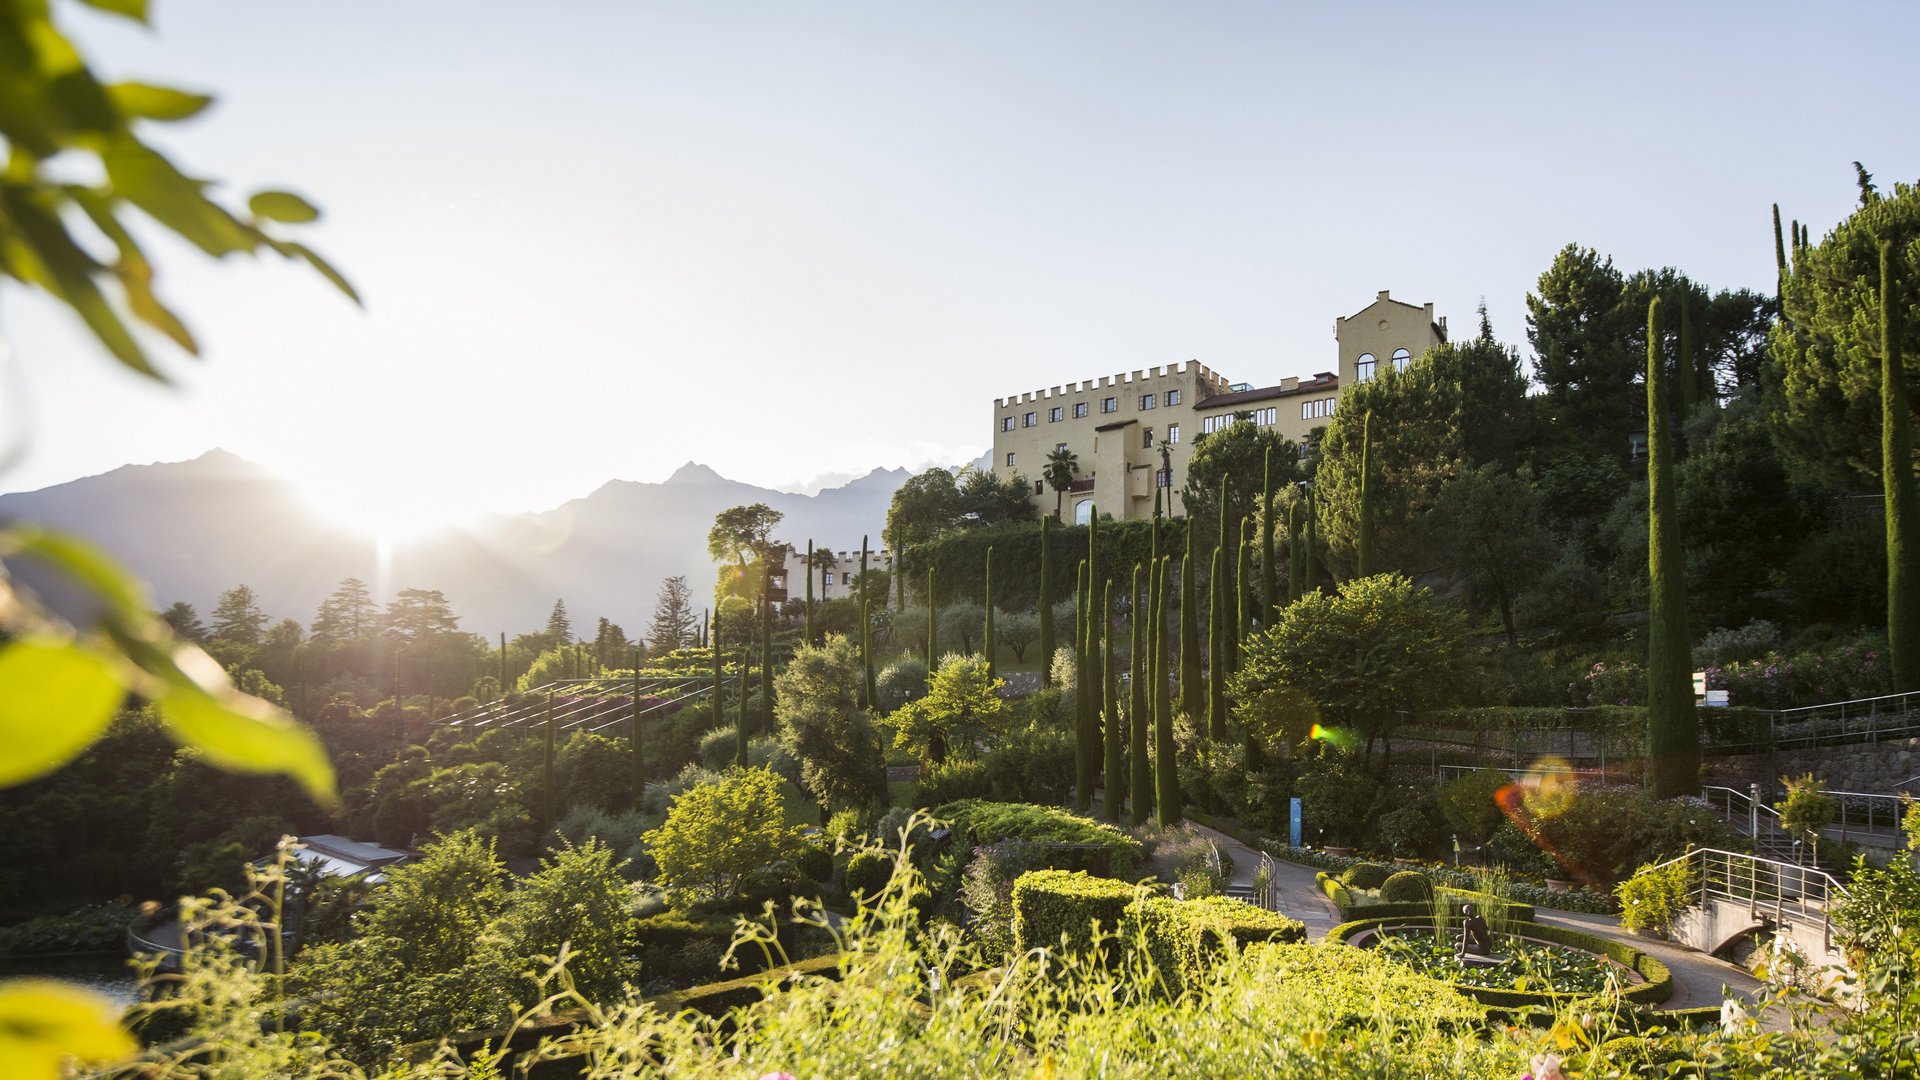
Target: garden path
[1697, 977]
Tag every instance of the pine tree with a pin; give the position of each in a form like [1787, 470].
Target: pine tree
[1192, 703]
[559, 627]
[1269, 573]
[1082, 696]
[1113, 736]
[987, 641]
[672, 625]
[1167, 793]
[1046, 605]
[1896, 477]
[1673, 735]
[1363, 544]
[1145, 609]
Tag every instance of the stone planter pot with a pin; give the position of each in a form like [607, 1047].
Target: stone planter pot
[1406, 862]
[1343, 852]
[1560, 886]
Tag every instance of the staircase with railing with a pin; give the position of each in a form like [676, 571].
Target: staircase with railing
[1752, 818]
[587, 704]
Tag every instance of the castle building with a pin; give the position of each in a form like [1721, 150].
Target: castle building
[1132, 432]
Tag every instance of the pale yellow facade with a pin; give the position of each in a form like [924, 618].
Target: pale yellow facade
[1130, 431]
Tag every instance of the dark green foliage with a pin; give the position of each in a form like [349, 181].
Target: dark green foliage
[1366, 875]
[1044, 601]
[1233, 460]
[1056, 909]
[1145, 613]
[1896, 473]
[1469, 805]
[1296, 553]
[1363, 542]
[1187, 938]
[988, 642]
[1406, 887]
[868, 872]
[1193, 700]
[866, 630]
[1167, 783]
[1216, 650]
[1083, 697]
[549, 797]
[1115, 734]
[985, 822]
[808, 635]
[1270, 598]
[1780, 257]
[933, 627]
[1673, 729]
[961, 558]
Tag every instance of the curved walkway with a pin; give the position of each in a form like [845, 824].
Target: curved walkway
[1698, 979]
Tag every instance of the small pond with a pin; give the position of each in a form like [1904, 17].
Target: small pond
[1528, 965]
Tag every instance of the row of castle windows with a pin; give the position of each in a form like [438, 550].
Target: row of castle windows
[1146, 439]
[1107, 405]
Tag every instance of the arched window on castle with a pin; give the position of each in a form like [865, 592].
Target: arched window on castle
[1363, 368]
[1401, 358]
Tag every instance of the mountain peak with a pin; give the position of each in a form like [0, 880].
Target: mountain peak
[695, 473]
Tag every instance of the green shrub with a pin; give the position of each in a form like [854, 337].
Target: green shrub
[814, 862]
[1050, 906]
[868, 872]
[1407, 887]
[1469, 805]
[1186, 938]
[1366, 875]
[1654, 897]
[954, 780]
[1106, 849]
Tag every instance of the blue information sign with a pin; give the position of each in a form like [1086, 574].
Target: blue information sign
[1293, 821]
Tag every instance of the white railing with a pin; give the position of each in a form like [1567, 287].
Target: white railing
[1785, 892]
[1889, 716]
[1880, 812]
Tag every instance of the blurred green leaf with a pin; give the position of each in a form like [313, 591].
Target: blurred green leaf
[133, 269]
[132, 9]
[43, 1023]
[148, 180]
[246, 734]
[282, 206]
[38, 249]
[293, 250]
[55, 698]
[156, 102]
[83, 562]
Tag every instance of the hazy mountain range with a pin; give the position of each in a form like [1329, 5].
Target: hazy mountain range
[196, 528]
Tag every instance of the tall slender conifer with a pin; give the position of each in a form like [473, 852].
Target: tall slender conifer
[1145, 608]
[1269, 573]
[1192, 702]
[809, 629]
[1167, 772]
[1083, 695]
[933, 626]
[1046, 605]
[1216, 648]
[1114, 735]
[987, 644]
[1673, 724]
[1896, 478]
[1363, 545]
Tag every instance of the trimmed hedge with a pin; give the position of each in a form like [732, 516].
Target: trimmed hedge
[1186, 938]
[1366, 875]
[1407, 887]
[1341, 896]
[714, 999]
[1052, 905]
[1657, 988]
[1103, 849]
[1583, 900]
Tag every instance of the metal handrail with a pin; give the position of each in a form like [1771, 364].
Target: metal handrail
[1787, 891]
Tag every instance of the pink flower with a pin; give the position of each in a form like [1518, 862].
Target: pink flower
[1545, 1067]
[778, 1076]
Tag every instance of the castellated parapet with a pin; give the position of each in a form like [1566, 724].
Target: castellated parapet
[1203, 377]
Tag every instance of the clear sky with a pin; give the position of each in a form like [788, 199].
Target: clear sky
[796, 241]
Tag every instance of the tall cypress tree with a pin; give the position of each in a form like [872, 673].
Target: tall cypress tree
[1216, 648]
[740, 724]
[1310, 554]
[809, 629]
[1896, 477]
[1167, 773]
[1192, 702]
[1046, 605]
[933, 627]
[1114, 736]
[988, 633]
[1673, 724]
[1296, 570]
[639, 785]
[1363, 544]
[503, 663]
[1242, 595]
[1269, 573]
[1779, 262]
[1145, 609]
[866, 633]
[766, 641]
[546, 769]
[1083, 694]
[896, 567]
[719, 685]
